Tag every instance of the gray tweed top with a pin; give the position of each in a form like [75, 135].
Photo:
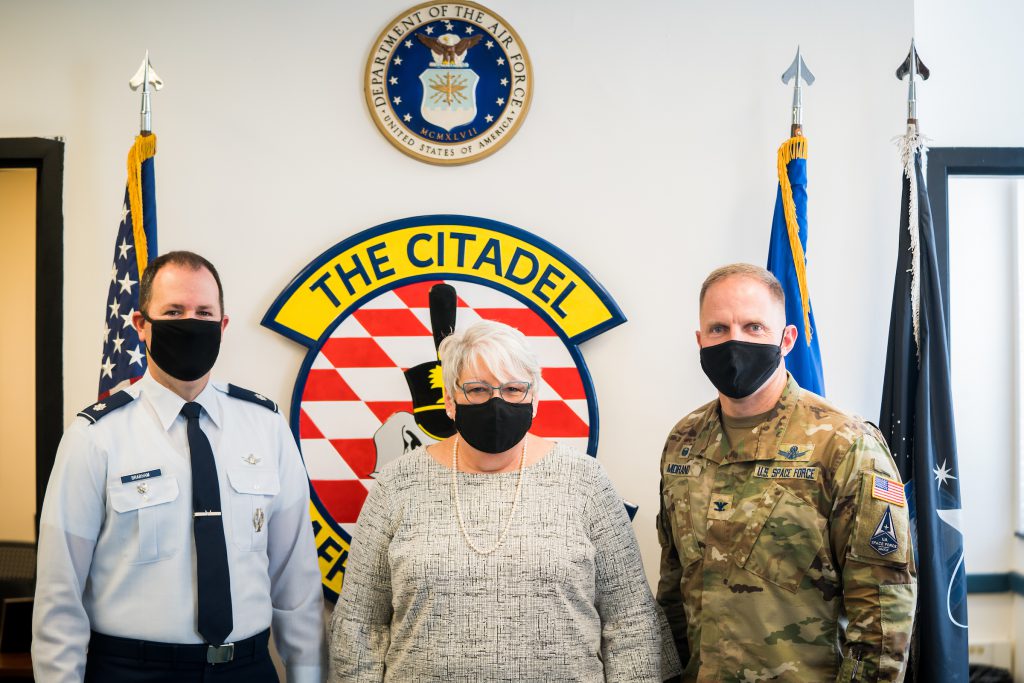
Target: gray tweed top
[563, 599]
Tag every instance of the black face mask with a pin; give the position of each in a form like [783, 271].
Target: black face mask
[739, 368]
[185, 349]
[495, 426]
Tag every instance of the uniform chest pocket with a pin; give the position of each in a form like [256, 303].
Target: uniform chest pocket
[252, 492]
[781, 539]
[145, 518]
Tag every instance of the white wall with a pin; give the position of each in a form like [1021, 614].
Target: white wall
[651, 165]
[975, 53]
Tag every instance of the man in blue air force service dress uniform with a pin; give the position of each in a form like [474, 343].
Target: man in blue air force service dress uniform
[175, 529]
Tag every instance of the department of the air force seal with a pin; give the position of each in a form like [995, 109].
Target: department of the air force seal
[448, 82]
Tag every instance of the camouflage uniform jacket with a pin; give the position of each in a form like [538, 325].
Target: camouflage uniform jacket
[766, 550]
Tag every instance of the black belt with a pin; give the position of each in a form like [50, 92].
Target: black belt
[149, 651]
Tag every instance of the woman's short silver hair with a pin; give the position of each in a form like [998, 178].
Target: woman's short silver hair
[497, 346]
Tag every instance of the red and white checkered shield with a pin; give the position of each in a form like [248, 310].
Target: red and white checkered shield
[363, 311]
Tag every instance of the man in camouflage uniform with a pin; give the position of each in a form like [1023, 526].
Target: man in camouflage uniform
[786, 552]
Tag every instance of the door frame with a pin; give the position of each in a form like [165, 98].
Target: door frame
[47, 157]
[944, 162]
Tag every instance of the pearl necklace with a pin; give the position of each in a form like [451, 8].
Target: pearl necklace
[458, 504]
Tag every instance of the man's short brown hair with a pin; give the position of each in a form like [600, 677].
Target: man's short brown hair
[185, 259]
[758, 273]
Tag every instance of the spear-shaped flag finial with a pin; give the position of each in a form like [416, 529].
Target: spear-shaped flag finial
[145, 77]
[798, 70]
[912, 66]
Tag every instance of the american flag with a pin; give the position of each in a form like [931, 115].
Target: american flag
[124, 356]
[887, 489]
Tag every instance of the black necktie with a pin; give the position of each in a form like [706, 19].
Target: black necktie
[215, 620]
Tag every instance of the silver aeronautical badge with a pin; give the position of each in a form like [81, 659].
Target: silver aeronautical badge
[257, 520]
[252, 459]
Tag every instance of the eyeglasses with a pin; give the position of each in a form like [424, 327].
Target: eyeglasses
[481, 392]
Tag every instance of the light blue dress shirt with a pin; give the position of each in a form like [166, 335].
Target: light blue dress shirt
[116, 553]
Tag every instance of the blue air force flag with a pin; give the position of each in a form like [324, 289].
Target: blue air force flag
[917, 420]
[787, 261]
[124, 356]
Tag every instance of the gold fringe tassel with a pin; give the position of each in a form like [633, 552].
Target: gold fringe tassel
[795, 148]
[144, 148]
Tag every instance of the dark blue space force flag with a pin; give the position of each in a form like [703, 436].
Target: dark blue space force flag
[787, 261]
[917, 420]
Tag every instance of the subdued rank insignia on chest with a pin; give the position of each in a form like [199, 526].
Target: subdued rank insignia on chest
[251, 396]
[689, 469]
[720, 507]
[796, 451]
[684, 452]
[108, 405]
[884, 539]
[786, 472]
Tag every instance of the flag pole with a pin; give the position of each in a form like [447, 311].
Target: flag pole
[796, 72]
[143, 79]
[913, 67]
[911, 145]
[796, 148]
[123, 357]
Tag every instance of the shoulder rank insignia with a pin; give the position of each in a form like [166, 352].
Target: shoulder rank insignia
[108, 405]
[251, 396]
[884, 539]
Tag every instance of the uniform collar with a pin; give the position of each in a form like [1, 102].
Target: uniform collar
[772, 430]
[167, 404]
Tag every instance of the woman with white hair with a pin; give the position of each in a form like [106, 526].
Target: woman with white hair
[495, 555]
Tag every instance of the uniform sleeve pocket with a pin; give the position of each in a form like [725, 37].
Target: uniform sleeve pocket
[881, 530]
[144, 522]
[897, 602]
[781, 539]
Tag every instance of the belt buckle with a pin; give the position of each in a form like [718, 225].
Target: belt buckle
[220, 654]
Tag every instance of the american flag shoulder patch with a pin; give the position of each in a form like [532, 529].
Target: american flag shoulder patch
[888, 490]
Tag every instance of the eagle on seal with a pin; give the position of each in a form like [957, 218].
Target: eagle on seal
[449, 48]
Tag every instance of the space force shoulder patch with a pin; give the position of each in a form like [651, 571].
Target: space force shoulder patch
[108, 405]
[251, 397]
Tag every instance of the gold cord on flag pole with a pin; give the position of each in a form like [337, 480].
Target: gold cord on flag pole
[795, 148]
[144, 148]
